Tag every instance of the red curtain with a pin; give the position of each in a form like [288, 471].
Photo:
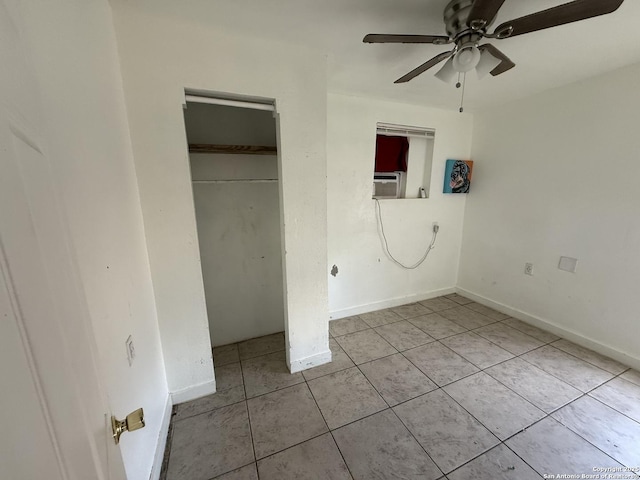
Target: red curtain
[391, 153]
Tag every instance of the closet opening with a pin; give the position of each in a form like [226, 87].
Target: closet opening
[236, 191]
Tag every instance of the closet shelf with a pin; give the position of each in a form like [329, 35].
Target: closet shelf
[239, 180]
[233, 149]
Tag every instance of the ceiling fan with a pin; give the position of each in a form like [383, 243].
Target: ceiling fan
[467, 22]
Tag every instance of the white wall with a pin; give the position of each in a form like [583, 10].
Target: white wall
[165, 48]
[367, 279]
[87, 142]
[240, 248]
[557, 174]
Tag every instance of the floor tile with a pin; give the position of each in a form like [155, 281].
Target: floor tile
[466, 318]
[552, 449]
[339, 361]
[228, 376]
[268, 373]
[381, 447]
[447, 432]
[380, 317]
[261, 345]
[437, 326]
[345, 396]
[438, 303]
[632, 376]
[210, 402]
[397, 379]
[411, 310]
[284, 418]
[600, 361]
[621, 395]
[568, 368]
[542, 389]
[365, 346]
[489, 312]
[346, 325]
[499, 409]
[530, 330]
[225, 355]
[403, 335]
[439, 363]
[211, 444]
[499, 463]
[610, 431]
[248, 472]
[314, 459]
[510, 339]
[459, 299]
[482, 353]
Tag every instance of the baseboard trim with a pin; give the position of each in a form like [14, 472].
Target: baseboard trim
[161, 445]
[622, 357]
[389, 303]
[191, 393]
[310, 362]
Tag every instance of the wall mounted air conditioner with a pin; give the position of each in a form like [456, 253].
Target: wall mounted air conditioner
[387, 184]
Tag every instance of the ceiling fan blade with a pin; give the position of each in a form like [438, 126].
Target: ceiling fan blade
[560, 15]
[483, 12]
[382, 38]
[424, 67]
[486, 64]
[505, 62]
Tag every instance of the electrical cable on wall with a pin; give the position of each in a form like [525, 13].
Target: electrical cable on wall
[386, 244]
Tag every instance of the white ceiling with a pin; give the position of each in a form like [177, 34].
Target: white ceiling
[544, 59]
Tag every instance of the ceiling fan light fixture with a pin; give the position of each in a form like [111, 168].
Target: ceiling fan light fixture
[466, 59]
[447, 73]
[487, 63]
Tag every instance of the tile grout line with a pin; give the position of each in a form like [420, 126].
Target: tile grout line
[341, 454]
[329, 431]
[246, 401]
[414, 437]
[441, 387]
[546, 415]
[389, 407]
[583, 438]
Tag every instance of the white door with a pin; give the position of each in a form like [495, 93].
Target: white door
[53, 411]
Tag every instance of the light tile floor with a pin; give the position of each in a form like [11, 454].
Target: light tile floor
[441, 389]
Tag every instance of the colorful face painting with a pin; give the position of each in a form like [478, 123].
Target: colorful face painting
[457, 176]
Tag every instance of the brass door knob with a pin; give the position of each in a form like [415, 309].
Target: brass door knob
[134, 421]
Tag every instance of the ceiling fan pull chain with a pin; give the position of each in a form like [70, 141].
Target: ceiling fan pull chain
[464, 80]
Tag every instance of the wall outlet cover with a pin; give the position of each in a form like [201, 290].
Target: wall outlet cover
[568, 264]
[528, 268]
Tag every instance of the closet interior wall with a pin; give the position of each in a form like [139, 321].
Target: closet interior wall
[236, 199]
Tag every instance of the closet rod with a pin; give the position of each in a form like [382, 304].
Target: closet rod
[247, 180]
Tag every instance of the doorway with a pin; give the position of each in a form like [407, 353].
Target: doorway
[236, 191]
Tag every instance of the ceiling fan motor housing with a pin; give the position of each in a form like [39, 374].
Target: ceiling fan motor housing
[456, 16]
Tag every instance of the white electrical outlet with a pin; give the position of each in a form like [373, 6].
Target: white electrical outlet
[528, 268]
[131, 350]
